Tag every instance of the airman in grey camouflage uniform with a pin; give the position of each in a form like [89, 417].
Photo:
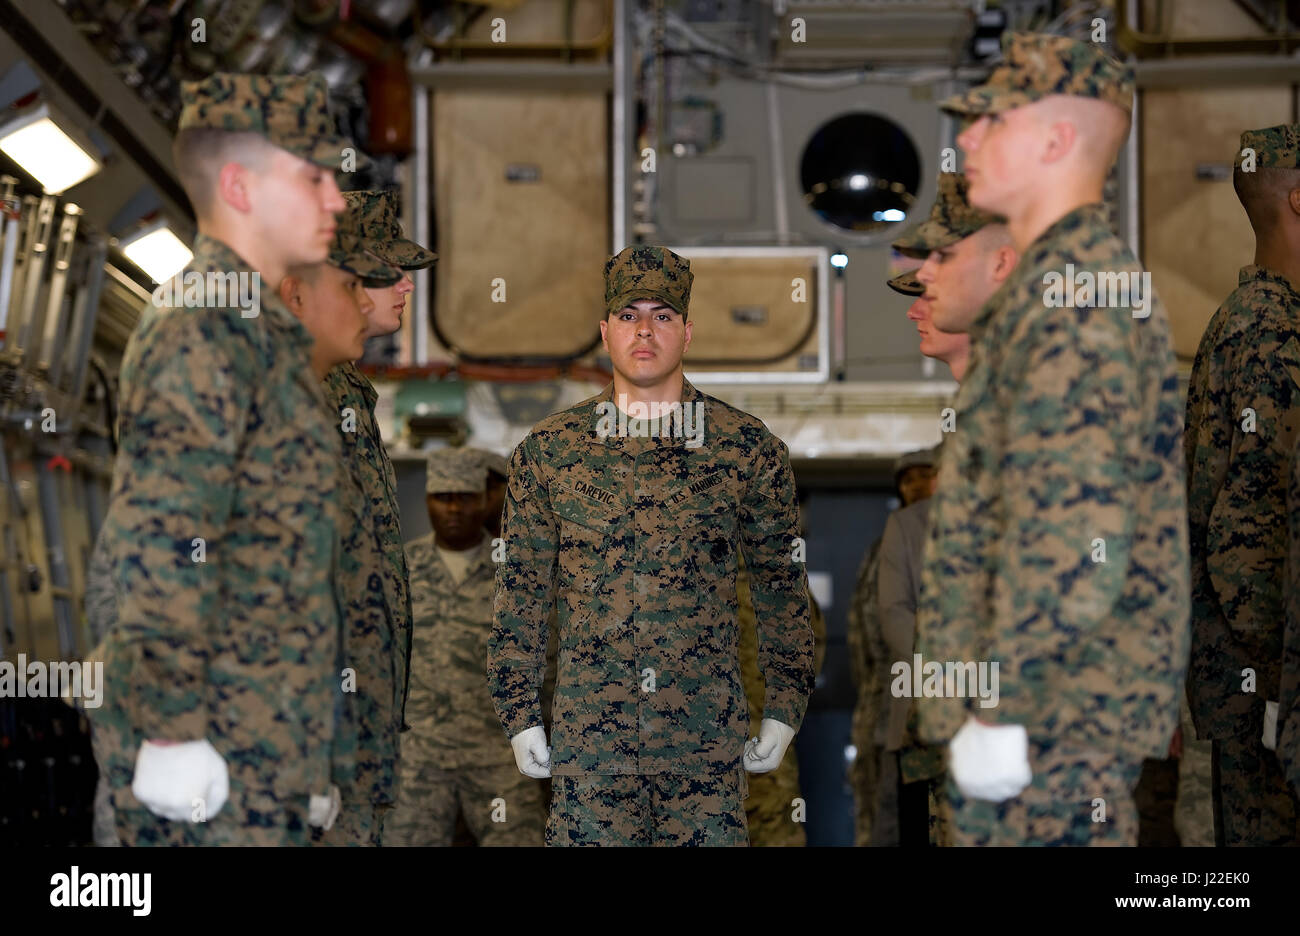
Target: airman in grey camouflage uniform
[637, 532]
[228, 624]
[1243, 425]
[454, 758]
[1066, 443]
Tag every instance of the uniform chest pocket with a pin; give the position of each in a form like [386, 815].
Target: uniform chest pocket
[704, 533]
[585, 529]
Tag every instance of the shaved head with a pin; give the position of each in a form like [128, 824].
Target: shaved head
[200, 152]
[1100, 127]
[1266, 194]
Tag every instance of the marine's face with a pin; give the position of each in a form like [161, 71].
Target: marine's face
[916, 483]
[935, 342]
[296, 203]
[954, 278]
[389, 304]
[645, 341]
[334, 310]
[1001, 153]
[456, 518]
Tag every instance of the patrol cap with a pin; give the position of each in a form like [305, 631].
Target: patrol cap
[645, 272]
[1035, 65]
[921, 457]
[1275, 147]
[951, 218]
[454, 471]
[291, 111]
[495, 463]
[348, 253]
[907, 284]
[377, 225]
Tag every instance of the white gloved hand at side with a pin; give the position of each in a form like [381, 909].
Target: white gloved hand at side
[764, 753]
[323, 810]
[532, 756]
[173, 780]
[1269, 738]
[990, 762]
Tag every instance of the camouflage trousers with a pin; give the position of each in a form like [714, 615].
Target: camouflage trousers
[940, 812]
[875, 797]
[770, 807]
[1077, 797]
[1194, 810]
[501, 806]
[359, 824]
[1254, 803]
[649, 809]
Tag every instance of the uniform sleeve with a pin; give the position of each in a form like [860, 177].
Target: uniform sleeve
[101, 596]
[177, 468]
[896, 593]
[769, 524]
[525, 596]
[1067, 496]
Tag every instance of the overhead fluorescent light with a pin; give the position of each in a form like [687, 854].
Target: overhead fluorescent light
[157, 251]
[49, 148]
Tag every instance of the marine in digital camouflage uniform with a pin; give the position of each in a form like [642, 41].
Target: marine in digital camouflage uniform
[382, 656]
[454, 759]
[770, 806]
[373, 650]
[637, 536]
[1067, 431]
[218, 408]
[1237, 465]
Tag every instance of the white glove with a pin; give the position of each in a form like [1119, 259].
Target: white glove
[323, 810]
[990, 762]
[169, 778]
[764, 753]
[1269, 738]
[532, 756]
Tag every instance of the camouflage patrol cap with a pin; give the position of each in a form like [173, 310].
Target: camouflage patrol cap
[291, 111]
[1035, 65]
[348, 253]
[454, 471]
[951, 219]
[377, 223]
[923, 457]
[645, 272]
[494, 463]
[907, 284]
[1274, 147]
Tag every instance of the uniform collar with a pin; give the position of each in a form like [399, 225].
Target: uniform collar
[350, 374]
[690, 395]
[1045, 247]
[215, 256]
[1251, 273]
[478, 556]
